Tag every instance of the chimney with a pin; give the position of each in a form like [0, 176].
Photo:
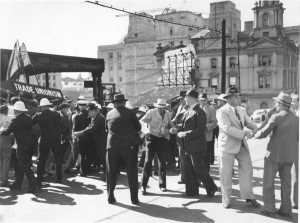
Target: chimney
[248, 26]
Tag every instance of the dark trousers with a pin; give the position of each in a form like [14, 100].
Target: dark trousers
[181, 160]
[114, 158]
[23, 167]
[57, 151]
[158, 146]
[210, 153]
[196, 170]
[86, 147]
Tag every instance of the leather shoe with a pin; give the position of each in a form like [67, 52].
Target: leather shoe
[135, 201]
[163, 189]
[253, 203]
[112, 200]
[144, 191]
[212, 192]
[181, 182]
[288, 215]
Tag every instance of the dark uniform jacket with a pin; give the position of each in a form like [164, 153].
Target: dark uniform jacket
[66, 128]
[123, 127]
[21, 127]
[96, 131]
[194, 123]
[50, 125]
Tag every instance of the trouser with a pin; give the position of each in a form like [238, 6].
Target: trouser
[196, 170]
[86, 153]
[210, 153]
[67, 154]
[100, 152]
[295, 178]
[5, 155]
[270, 170]
[181, 160]
[155, 145]
[245, 174]
[45, 147]
[114, 158]
[24, 162]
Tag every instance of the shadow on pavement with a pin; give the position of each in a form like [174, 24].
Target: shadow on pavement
[57, 194]
[7, 197]
[170, 213]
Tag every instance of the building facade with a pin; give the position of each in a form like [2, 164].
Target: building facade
[131, 64]
[261, 61]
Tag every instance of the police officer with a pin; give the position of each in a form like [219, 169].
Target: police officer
[51, 128]
[21, 127]
[122, 147]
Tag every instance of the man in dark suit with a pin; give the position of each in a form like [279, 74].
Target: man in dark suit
[96, 132]
[193, 136]
[122, 147]
[21, 127]
[51, 128]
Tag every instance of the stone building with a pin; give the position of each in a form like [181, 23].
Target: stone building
[267, 61]
[131, 64]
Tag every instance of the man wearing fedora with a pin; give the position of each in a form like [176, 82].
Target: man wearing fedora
[282, 151]
[192, 134]
[232, 120]
[159, 123]
[95, 132]
[211, 124]
[122, 147]
[51, 131]
[21, 127]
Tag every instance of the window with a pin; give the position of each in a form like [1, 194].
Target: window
[135, 35]
[232, 62]
[171, 32]
[120, 79]
[214, 82]
[265, 19]
[264, 81]
[265, 34]
[119, 57]
[110, 67]
[264, 60]
[232, 81]
[213, 62]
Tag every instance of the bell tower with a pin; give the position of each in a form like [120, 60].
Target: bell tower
[268, 18]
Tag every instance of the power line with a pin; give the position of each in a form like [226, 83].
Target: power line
[146, 16]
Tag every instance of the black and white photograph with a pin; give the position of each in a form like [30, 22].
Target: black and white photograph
[126, 111]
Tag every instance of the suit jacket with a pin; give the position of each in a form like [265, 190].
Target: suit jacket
[284, 141]
[194, 124]
[211, 122]
[21, 127]
[122, 127]
[96, 130]
[231, 133]
[50, 124]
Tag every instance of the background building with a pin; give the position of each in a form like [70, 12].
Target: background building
[131, 64]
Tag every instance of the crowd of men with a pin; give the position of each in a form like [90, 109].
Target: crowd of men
[89, 138]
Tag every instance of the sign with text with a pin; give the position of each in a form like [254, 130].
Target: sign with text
[37, 90]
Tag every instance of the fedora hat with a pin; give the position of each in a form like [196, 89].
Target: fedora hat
[20, 106]
[283, 98]
[230, 92]
[119, 98]
[192, 93]
[45, 102]
[161, 103]
[82, 102]
[221, 97]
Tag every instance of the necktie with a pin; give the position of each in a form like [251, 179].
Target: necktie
[238, 117]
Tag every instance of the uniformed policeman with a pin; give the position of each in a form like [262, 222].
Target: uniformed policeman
[21, 127]
[51, 128]
[122, 147]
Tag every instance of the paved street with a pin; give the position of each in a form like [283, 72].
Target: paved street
[84, 200]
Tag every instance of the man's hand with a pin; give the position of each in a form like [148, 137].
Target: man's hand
[248, 133]
[173, 130]
[181, 134]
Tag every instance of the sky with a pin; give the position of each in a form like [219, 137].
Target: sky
[76, 28]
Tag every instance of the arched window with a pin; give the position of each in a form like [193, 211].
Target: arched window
[265, 19]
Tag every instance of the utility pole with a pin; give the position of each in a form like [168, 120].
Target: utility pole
[223, 77]
[238, 52]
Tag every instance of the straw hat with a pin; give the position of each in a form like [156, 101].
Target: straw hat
[161, 103]
[45, 102]
[20, 106]
[283, 98]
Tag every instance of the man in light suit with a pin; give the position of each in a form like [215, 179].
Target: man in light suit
[232, 120]
[282, 151]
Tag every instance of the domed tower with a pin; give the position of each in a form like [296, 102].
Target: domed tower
[268, 18]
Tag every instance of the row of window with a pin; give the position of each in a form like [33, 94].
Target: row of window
[111, 61]
[289, 80]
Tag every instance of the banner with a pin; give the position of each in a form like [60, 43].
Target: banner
[14, 61]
